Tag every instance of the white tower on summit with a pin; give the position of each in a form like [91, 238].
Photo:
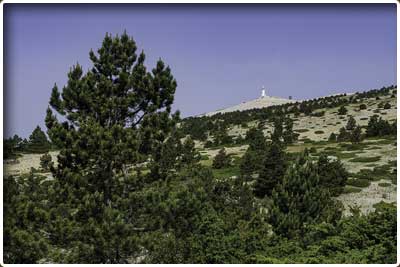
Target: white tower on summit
[263, 92]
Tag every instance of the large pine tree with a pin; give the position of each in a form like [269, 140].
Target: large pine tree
[117, 115]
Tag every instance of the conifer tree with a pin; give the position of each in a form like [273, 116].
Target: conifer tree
[342, 110]
[300, 200]
[117, 114]
[332, 137]
[355, 135]
[343, 135]
[38, 142]
[274, 164]
[351, 124]
[221, 160]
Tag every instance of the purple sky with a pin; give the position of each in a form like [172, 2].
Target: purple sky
[220, 55]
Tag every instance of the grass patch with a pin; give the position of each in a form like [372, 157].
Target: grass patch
[226, 172]
[204, 157]
[384, 184]
[382, 204]
[358, 182]
[351, 189]
[366, 159]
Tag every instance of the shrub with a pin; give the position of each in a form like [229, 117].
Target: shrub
[45, 162]
[365, 159]
[222, 160]
[387, 106]
[384, 184]
[363, 106]
[319, 132]
[358, 182]
[301, 130]
[351, 189]
[342, 110]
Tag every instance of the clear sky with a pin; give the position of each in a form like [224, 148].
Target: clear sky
[220, 55]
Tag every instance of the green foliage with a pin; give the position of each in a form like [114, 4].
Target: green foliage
[358, 182]
[342, 111]
[300, 200]
[380, 127]
[38, 142]
[128, 123]
[127, 190]
[46, 162]
[222, 160]
[332, 137]
[366, 159]
[274, 168]
[355, 135]
[351, 124]
[363, 106]
[343, 135]
[333, 175]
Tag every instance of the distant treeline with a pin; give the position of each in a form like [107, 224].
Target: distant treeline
[37, 143]
[199, 127]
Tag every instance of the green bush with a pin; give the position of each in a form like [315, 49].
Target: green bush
[319, 132]
[366, 159]
[301, 130]
[351, 189]
[358, 182]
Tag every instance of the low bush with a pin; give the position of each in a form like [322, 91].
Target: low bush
[358, 182]
[384, 184]
[351, 189]
[366, 159]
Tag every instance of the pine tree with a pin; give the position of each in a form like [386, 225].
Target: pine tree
[38, 142]
[300, 200]
[274, 167]
[351, 124]
[221, 160]
[189, 153]
[332, 137]
[46, 162]
[355, 135]
[117, 114]
[343, 135]
[342, 110]
[333, 175]
[288, 135]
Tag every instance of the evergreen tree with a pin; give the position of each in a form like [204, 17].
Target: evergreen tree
[275, 163]
[351, 124]
[343, 135]
[300, 200]
[387, 106]
[288, 135]
[45, 162]
[342, 110]
[189, 153]
[355, 135]
[117, 114]
[221, 160]
[256, 139]
[332, 137]
[38, 142]
[333, 175]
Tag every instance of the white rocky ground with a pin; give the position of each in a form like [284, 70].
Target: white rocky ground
[261, 102]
